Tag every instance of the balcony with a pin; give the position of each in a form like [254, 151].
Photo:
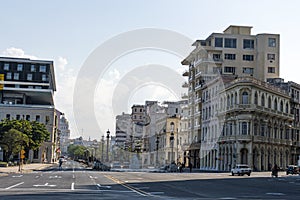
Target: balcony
[185, 73]
[184, 96]
[185, 85]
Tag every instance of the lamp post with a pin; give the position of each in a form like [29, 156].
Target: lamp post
[157, 143]
[102, 148]
[172, 140]
[107, 140]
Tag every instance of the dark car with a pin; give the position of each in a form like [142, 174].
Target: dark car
[100, 166]
[292, 169]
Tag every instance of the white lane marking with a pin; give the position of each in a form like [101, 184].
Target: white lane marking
[93, 177]
[14, 185]
[46, 185]
[73, 175]
[106, 186]
[54, 176]
[275, 193]
[17, 176]
[72, 186]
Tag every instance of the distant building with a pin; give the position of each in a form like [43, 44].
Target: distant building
[64, 134]
[27, 94]
[123, 129]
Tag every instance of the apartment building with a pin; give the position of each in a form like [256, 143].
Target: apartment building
[27, 93]
[233, 57]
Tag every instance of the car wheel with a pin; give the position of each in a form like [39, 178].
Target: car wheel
[232, 173]
[249, 174]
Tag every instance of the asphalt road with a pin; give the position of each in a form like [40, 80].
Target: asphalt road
[74, 181]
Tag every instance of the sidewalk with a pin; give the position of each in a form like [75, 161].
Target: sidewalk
[25, 168]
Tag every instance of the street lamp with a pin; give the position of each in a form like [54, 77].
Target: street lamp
[157, 144]
[172, 140]
[107, 140]
[102, 148]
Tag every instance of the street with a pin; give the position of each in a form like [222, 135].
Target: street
[74, 181]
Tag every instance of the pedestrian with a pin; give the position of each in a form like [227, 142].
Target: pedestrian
[190, 166]
[60, 163]
[275, 170]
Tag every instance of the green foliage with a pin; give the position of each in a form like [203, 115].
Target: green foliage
[16, 133]
[77, 151]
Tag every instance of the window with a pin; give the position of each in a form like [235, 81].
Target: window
[248, 57]
[263, 100]
[247, 70]
[229, 56]
[230, 70]
[271, 69]
[29, 77]
[230, 43]
[272, 42]
[6, 66]
[44, 77]
[255, 98]
[47, 120]
[20, 67]
[275, 104]
[244, 128]
[38, 118]
[8, 75]
[18, 117]
[218, 42]
[269, 102]
[42, 68]
[8, 116]
[16, 76]
[216, 57]
[32, 69]
[248, 44]
[28, 117]
[271, 56]
[245, 98]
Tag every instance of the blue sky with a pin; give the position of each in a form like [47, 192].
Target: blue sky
[69, 31]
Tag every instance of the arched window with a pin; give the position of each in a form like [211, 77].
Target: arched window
[269, 102]
[287, 108]
[275, 105]
[262, 100]
[255, 98]
[245, 98]
[228, 101]
[281, 106]
[244, 128]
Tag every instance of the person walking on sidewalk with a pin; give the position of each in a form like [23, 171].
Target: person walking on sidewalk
[190, 166]
[60, 163]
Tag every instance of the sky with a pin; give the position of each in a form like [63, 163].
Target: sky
[109, 55]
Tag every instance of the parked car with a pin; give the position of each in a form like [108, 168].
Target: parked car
[170, 168]
[100, 166]
[241, 169]
[292, 169]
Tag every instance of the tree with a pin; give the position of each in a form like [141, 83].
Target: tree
[14, 141]
[77, 151]
[36, 133]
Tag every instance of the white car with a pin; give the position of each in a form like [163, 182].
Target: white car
[241, 169]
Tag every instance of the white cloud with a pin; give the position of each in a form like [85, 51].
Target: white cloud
[16, 52]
